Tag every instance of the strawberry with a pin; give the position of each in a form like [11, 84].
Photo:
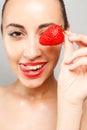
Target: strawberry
[52, 36]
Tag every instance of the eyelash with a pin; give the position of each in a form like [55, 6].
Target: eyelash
[42, 31]
[16, 34]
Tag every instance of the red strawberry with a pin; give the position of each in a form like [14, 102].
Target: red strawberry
[52, 36]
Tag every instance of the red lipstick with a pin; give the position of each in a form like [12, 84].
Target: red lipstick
[32, 69]
[33, 63]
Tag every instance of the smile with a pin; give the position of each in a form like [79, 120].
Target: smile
[32, 70]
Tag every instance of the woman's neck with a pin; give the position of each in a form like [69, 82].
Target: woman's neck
[48, 89]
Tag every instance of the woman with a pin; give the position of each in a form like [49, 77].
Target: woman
[31, 102]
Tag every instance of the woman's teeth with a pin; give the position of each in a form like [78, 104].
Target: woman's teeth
[34, 68]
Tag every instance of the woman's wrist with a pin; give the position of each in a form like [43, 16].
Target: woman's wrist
[69, 114]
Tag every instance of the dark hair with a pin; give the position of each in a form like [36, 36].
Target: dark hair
[63, 13]
[3, 8]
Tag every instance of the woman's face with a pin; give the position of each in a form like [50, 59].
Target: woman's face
[23, 23]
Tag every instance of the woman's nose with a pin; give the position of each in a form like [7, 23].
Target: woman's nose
[32, 49]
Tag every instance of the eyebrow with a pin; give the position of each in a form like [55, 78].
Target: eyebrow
[15, 25]
[22, 27]
[45, 25]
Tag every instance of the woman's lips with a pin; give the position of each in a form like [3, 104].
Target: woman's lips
[32, 70]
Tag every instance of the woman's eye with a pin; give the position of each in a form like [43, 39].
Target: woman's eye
[41, 32]
[16, 34]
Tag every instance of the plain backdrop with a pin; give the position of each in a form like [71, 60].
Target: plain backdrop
[77, 15]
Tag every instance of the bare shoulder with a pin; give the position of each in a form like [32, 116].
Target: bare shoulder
[3, 91]
[84, 116]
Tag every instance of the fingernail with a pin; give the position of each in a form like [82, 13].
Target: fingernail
[68, 32]
[71, 37]
[68, 60]
[72, 67]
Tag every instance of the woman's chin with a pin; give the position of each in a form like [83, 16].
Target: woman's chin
[33, 83]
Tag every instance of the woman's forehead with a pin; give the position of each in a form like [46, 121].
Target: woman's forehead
[42, 10]
[33, 4]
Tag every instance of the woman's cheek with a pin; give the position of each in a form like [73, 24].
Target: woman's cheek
[53, 52]
[13, 50]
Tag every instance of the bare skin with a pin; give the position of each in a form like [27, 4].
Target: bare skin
[26, 111]
[72, 90]
[30, 113]
[30, 104]
[84, 116]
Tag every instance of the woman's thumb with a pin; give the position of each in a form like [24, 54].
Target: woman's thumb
[68, 47]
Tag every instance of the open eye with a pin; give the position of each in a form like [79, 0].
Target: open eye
[16, 34]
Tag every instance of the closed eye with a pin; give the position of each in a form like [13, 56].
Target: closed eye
[42, 31]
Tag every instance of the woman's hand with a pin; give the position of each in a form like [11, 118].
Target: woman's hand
[72, 82]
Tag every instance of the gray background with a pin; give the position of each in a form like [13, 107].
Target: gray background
[77, 15]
